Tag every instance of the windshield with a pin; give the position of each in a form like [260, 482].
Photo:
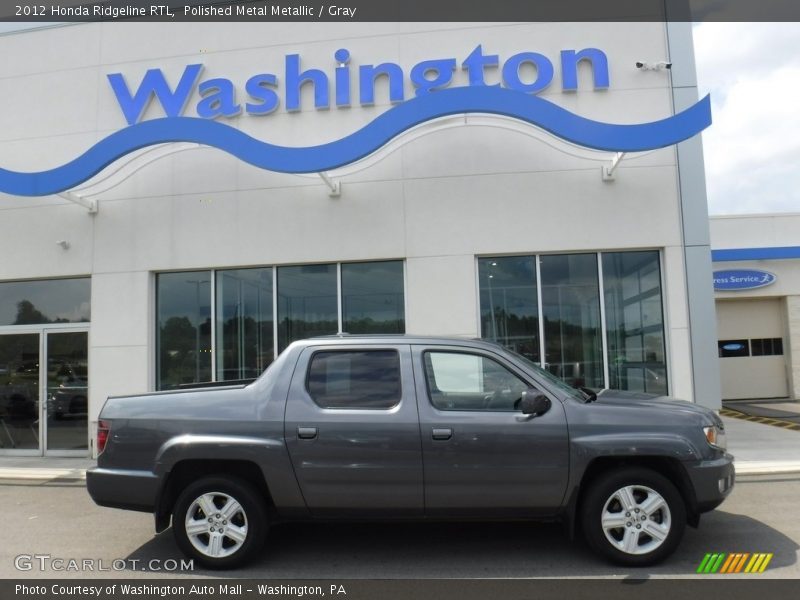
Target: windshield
[574, 392]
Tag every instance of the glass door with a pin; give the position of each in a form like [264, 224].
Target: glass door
[66, 407]
[19, 393]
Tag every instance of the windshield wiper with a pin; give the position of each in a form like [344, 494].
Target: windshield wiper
[590, 395]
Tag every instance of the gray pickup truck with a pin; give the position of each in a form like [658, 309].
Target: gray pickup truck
[401, 427]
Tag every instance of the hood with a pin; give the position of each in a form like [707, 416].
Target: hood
[642, 400]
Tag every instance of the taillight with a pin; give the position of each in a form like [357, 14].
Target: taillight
[103, 429]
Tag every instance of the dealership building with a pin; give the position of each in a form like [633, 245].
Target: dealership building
[181, 201]
[757, 282]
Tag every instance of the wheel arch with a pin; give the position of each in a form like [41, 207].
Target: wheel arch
[186, 471]
[668, 466]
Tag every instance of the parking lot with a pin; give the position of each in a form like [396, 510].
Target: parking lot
[60, 521]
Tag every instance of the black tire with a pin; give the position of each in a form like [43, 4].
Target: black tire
[605, 495]
[252, 518]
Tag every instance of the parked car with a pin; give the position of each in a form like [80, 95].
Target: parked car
[69, 399]
[399, 427]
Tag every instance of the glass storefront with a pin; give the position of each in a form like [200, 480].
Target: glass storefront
[229, 324]
[67, 390]
[571, 312]
[635, 321]
[372, 297]
[245, 336]
[19, 391]
[569, 339]
[183, 307]
[307, 303]
[44, 382]
[509, 307]
[45, 301]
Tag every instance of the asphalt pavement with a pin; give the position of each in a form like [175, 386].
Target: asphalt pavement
[59, 520]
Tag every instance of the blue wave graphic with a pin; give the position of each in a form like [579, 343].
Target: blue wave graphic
[493, 100]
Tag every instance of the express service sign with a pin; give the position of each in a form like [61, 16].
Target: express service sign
[732, 280]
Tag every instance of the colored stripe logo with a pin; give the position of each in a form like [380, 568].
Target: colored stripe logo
[736, 562]
[534, 110]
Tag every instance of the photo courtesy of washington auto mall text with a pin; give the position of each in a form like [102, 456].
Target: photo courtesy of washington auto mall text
[399, 300]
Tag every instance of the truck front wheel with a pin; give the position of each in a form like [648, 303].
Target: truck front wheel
[220, 522]
[633, 516]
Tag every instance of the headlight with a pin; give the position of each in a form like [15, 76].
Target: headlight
[716, 437]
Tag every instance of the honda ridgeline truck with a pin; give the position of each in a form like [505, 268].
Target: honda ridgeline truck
[401, 427]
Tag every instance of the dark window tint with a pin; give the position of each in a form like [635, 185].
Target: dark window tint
[244, 323]
[460, 381]
[733, 348]
[571, 312]
[45, 301]
[634, 322]
[357, 379]
[307, 304]
[766, 347]
[509, 305]
[372, 297]
[183, 306]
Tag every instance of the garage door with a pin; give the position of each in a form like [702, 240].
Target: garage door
[752, 364]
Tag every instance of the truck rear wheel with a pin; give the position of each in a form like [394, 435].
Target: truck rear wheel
[633, 516]
[220, 522]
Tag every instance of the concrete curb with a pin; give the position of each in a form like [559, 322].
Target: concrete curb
[766, 467]
[22, 474]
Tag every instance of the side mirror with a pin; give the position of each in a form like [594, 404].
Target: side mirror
[534, 402]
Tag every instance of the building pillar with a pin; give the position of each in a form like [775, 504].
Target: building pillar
[792, 349]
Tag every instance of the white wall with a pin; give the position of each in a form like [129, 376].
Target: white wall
[438, 201]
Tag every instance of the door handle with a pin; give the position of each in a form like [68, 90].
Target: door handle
[306, 433]
[444, 433]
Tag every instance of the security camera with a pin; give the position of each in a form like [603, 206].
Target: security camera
[657, 66]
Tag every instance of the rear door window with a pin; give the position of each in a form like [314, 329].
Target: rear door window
[355, 379]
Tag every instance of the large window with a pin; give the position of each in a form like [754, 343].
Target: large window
[45, 301]
[571, 311]
[635, 321]
[509, 309]
[183, 305]
[569, 340]
[229, 324]
[306, 302]
[372, 297]
[245, 336]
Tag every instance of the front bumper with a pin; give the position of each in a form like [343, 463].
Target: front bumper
[127, 489]
[713, 481]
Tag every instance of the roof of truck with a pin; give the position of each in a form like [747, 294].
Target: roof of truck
[405, 338]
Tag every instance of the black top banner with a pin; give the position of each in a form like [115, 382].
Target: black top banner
[406, 10]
